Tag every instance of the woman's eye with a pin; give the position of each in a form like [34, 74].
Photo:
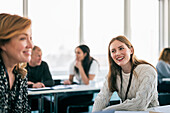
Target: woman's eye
[113, 51]
[30, 38]
[22, 38]
[121, 48]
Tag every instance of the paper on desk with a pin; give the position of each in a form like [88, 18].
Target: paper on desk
[63, 86]
[155, 112]
[138, 112]
[39, 89]
[166, 79]
[160, 109]
[131, 111]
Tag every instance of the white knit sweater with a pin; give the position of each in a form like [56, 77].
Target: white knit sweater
[142, 93]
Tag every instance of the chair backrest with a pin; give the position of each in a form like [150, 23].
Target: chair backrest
[164, 99]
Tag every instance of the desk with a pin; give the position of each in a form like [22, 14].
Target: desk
[166, 79]
[163, 87]
[160, 109]
[81, 89]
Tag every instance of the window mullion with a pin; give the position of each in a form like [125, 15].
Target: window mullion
[127, 24]
[25, 8]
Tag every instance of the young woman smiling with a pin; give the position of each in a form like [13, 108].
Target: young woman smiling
[134, 80]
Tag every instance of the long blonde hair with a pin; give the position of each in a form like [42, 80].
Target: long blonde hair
[115, 69]
[11, 26]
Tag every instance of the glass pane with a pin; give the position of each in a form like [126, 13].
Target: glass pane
[55, 30]
[12, 7]
[103, 20]
[144, 20]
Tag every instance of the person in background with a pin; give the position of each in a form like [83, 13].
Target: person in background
[15, 50]
[85, 68]
[39, 76]
[163, 69]
[38, 71]
[134, 80]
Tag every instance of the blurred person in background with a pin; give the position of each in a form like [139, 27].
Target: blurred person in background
[39, 76]
[84, 68]
[163, 69]
[38, 71]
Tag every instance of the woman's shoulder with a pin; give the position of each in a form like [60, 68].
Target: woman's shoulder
[72, 64]
[161, 63]
[145, 68]
[95, 62]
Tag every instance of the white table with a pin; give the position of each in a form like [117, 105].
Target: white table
[166, 79]
[59, 91]
[158, 109]
[161, 109]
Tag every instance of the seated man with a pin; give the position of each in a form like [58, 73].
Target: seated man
[38, 76]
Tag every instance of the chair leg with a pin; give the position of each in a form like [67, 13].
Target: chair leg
[68, 108]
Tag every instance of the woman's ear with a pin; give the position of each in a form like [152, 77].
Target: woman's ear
[85, 54]
[131, 50]
[2, 47]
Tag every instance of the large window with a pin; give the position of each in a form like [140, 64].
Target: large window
[55, 30]
[56, 26]
[60, 25]
[11, 6]
[103, 20]
[144, 24]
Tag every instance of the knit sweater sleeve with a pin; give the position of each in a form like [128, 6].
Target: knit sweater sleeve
[145, 93]
[103, 98]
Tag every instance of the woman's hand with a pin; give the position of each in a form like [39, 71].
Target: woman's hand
[38, 85]
[29, 82]
[78, 64]
[67, 82]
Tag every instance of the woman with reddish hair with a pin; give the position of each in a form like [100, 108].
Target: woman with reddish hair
[15, 51]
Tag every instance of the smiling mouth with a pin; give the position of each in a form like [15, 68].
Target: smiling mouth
[27, 52]
[120, 58]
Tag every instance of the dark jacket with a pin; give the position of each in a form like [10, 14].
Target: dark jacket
[40, 73]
